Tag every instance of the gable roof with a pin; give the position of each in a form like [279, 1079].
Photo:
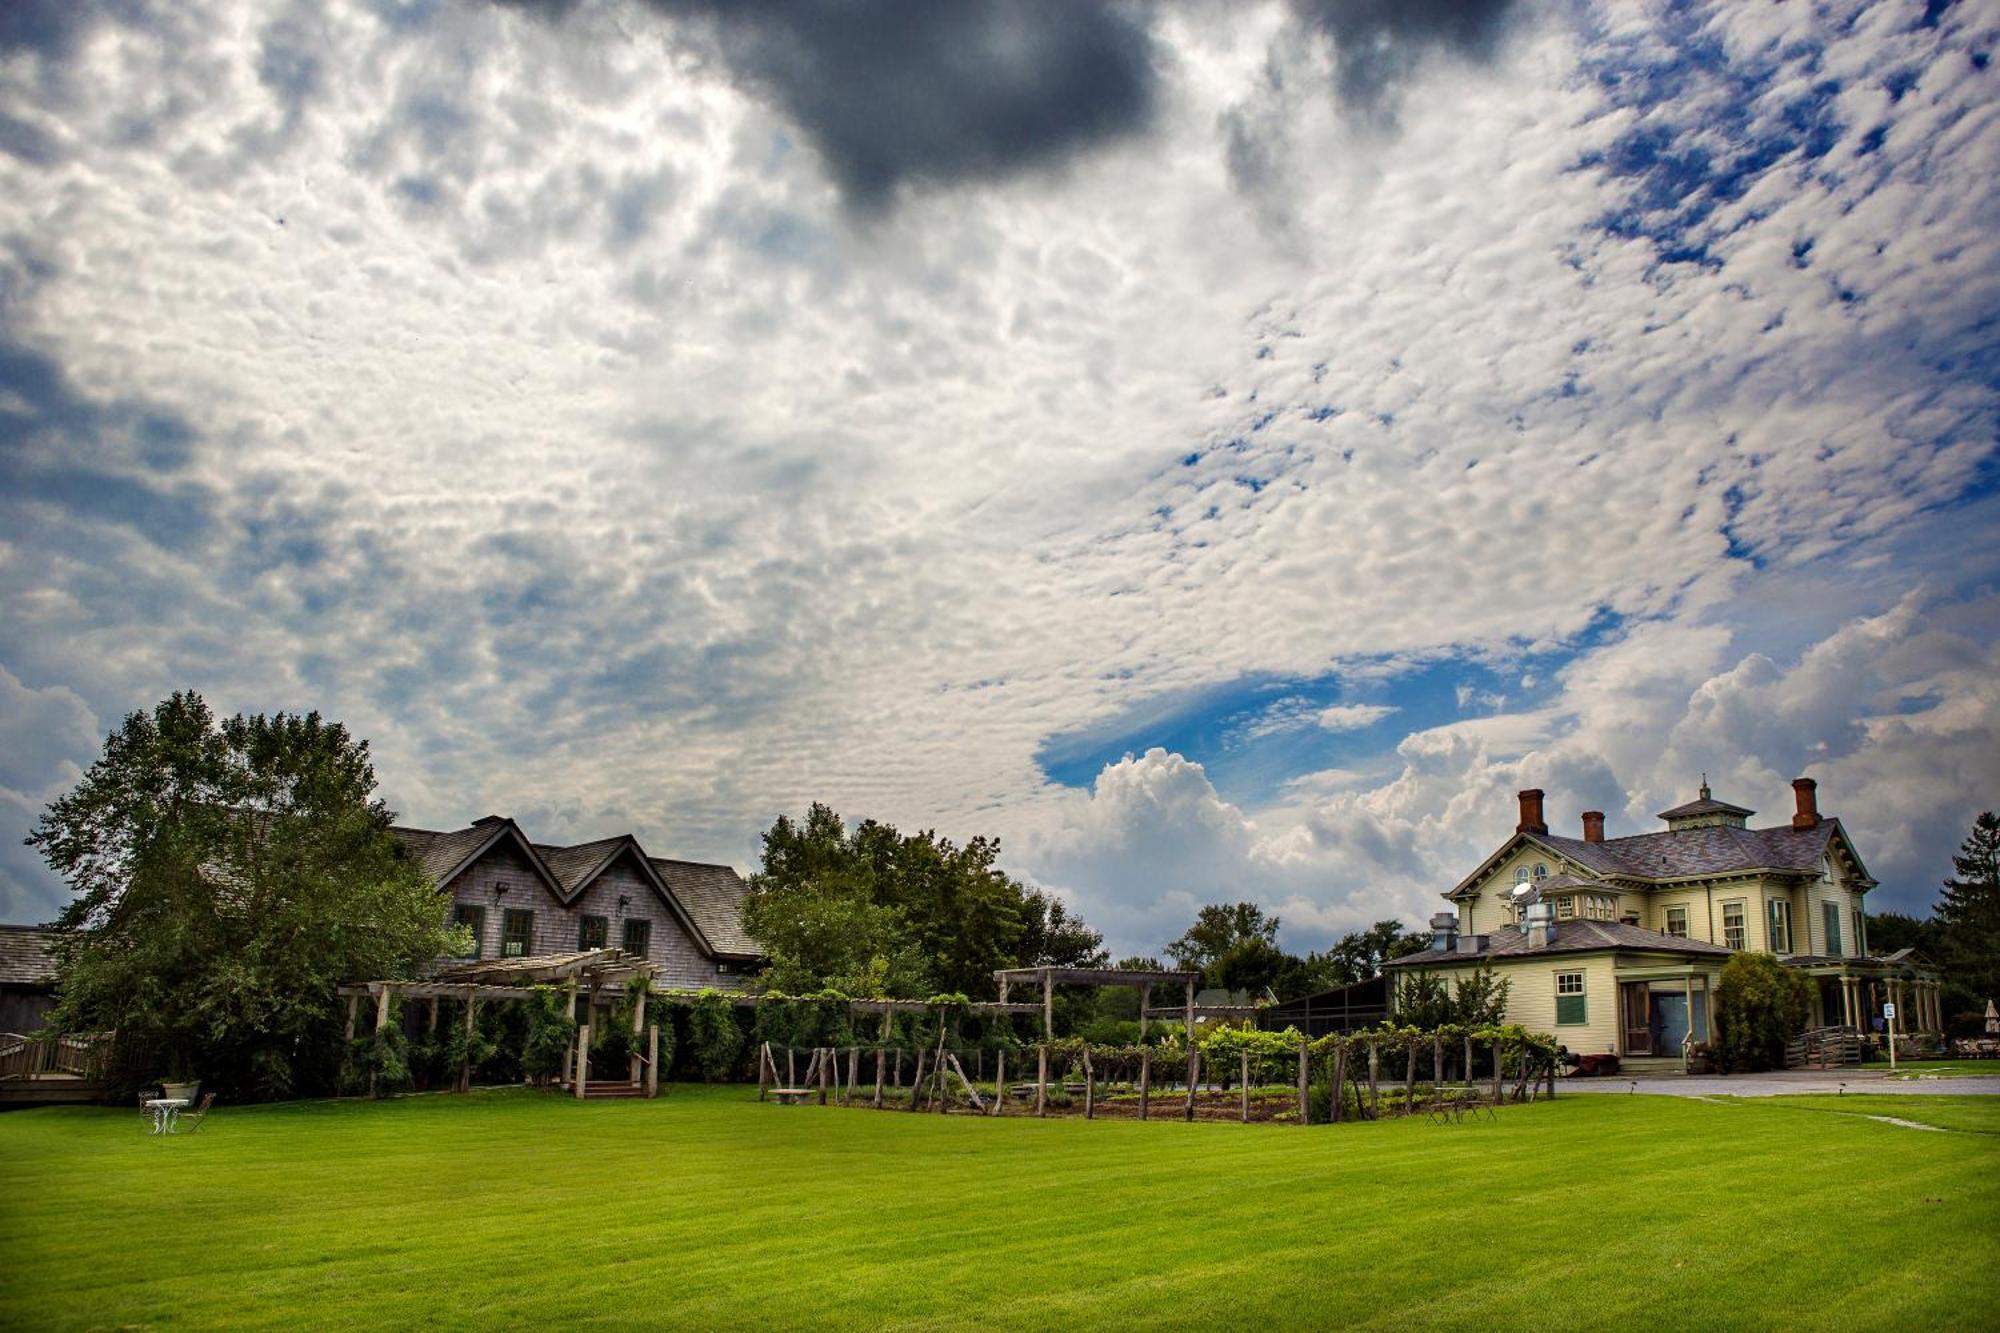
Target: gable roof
[1714, 849]
[713, 895]
[706, 898]
[1575, 936]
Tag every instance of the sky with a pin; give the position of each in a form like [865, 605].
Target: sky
[1223, 450]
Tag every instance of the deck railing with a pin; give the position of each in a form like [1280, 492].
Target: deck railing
[75, 1055]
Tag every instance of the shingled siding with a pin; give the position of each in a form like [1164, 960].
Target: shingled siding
[681, 961]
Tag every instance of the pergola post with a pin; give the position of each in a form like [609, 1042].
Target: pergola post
[353, 1012]
[638, 1026]
[999, 1079]
[1145, 1079]
[1192, 1054]
[1048, 1006]
[1305, 1102]
[465, 1067]
[432, 1025]
[381, 1021]
[1243, 1079]
[1145, 1003]
[653, 1063]
[881, 1053]
[1042, 1079]
[582, 1059]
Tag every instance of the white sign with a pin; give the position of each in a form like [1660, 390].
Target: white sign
[1888, 1011]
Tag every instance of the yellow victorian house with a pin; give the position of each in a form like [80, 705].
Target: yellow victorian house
[1614, 944]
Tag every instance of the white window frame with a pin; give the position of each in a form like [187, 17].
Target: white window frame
[1565, 909]
[1777, 919]
[1667, 920]
[1741, 938]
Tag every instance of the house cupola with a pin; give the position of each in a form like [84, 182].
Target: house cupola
[1705, 812]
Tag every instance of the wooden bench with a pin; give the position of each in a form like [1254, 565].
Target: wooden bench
[790, 1096]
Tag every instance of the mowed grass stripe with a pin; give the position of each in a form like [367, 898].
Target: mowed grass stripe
[505, 1209]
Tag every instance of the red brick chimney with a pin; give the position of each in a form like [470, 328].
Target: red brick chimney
[1593, 826]
[1807, 792]
[1531, 813]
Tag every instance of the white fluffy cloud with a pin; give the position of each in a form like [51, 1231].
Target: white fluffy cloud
[524, 386]
[1353, 717]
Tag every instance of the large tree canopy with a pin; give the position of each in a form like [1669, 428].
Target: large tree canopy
[872, 911]
[1968, 915]
[227, 877]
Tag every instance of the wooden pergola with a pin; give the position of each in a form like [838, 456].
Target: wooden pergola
[598, 974]
[1139, 978]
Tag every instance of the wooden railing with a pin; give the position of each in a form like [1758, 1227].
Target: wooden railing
[74, 1055]
[1823, 1048]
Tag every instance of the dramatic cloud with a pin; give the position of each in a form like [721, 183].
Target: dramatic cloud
[1225, 450]
[895, 91]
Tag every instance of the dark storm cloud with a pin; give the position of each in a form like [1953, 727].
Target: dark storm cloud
[1377, 42]
[895, 91]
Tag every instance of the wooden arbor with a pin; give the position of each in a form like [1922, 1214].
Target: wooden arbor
[1143, 981]
[600, 975]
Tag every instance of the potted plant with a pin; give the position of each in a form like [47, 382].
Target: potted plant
[180, 1082]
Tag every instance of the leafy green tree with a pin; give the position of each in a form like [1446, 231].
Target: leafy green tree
[1217, 929]
[1251, 965]
[1890, 931]
[1968, 916]
[226, 878]
[871, 911]
[1760, 1005]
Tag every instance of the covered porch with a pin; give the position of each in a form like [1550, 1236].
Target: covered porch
[1662, 1011]
[1851, 993]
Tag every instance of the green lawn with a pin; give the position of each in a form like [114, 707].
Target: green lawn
[707, 1209]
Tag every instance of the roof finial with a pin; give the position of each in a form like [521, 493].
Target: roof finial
[1704, 786]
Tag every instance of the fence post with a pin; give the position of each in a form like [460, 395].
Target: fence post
[1305, 1097]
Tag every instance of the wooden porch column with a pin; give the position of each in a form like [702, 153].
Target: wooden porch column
[653, 1064]
[582, 1059]
[1193, 1055]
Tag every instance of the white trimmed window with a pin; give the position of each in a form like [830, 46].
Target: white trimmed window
[1677, 922]
[1780, 925]
[1735, 932]
[1572, 1004]
[1565, 908]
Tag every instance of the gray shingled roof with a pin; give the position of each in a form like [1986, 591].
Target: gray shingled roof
[1570, 937]
[1713, 850]
[713, 895]
[24, 956]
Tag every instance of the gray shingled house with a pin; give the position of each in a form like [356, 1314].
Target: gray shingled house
[522, 899]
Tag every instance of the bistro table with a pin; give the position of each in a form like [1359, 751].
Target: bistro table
[165, 1111]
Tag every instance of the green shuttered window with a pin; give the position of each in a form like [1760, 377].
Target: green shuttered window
[1572, 1004]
